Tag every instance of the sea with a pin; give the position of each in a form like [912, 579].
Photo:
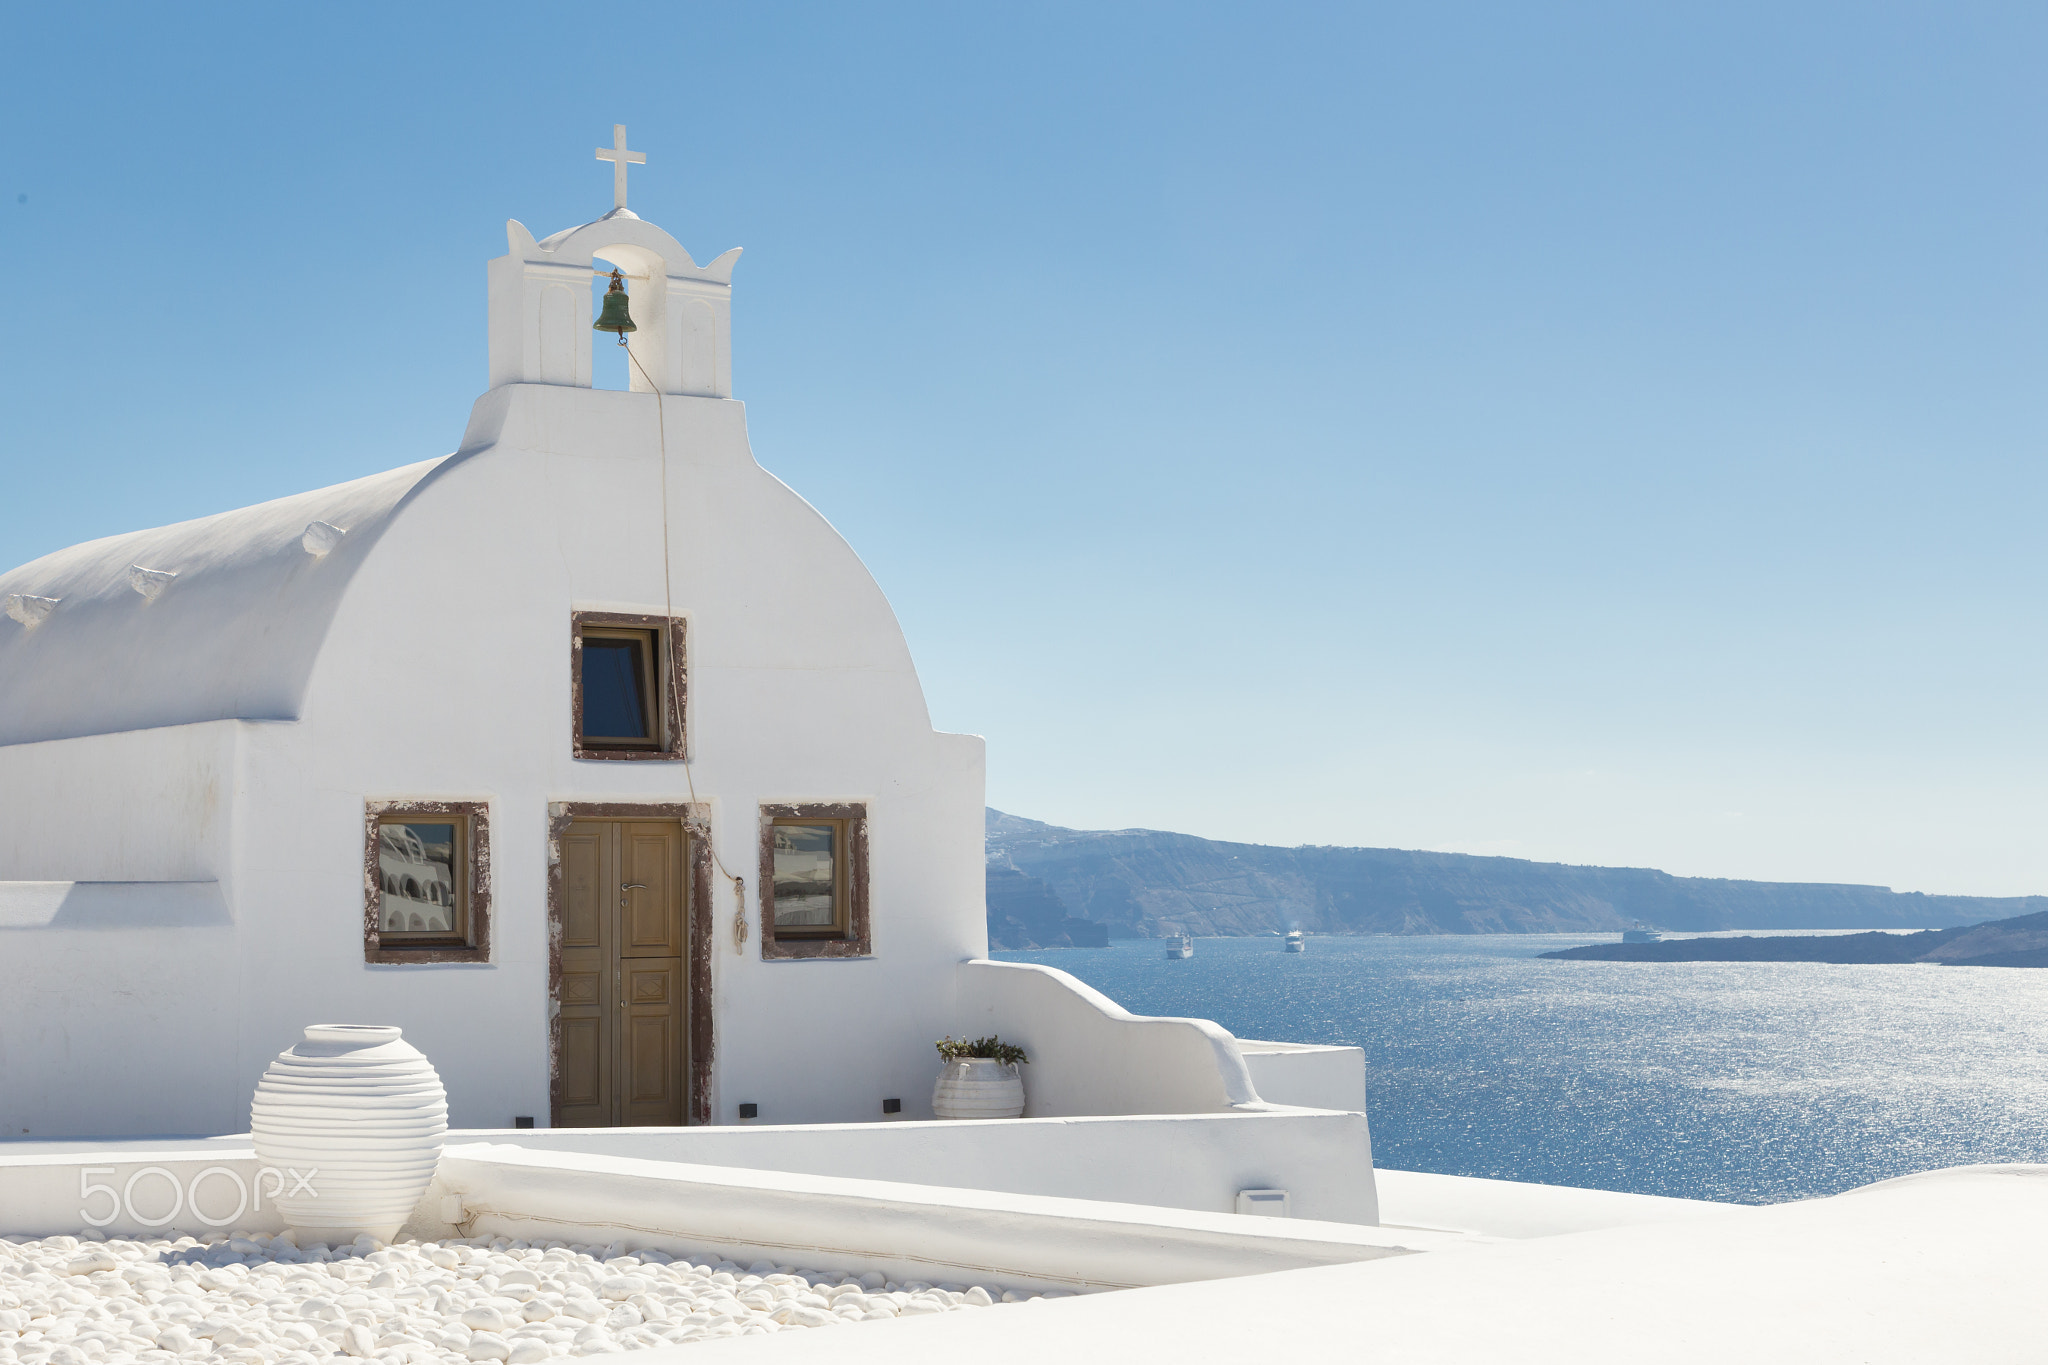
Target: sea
[1751, 1082]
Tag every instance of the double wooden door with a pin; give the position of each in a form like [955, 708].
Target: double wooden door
[625, 1056]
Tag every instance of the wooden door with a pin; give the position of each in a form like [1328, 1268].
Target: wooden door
[625, 1056]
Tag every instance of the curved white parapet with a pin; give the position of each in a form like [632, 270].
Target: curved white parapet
[352, 1118]
[1089, 1055]
[1308, 1075]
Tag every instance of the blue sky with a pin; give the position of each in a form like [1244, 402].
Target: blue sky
[1600, 433]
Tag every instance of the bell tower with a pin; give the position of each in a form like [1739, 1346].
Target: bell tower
[540, 301]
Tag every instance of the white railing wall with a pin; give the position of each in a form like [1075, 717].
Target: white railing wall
[1091, 1056]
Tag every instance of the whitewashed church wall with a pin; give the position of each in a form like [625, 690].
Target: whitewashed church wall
[141, 805]
[120, 1029]
[127, 1024]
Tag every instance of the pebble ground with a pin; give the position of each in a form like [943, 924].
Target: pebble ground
[80, 1301]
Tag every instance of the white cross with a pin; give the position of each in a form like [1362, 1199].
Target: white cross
[620, 159]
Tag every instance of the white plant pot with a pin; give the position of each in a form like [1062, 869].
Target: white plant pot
[978, 1088]
[352, 1120]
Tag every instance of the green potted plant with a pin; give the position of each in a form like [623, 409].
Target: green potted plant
[978, 1079]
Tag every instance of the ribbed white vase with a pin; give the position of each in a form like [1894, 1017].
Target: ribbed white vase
[978, 1088]
[351, 1119]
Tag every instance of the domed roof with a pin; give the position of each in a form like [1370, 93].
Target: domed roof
[215, 619]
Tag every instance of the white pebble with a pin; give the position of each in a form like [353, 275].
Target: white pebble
[488, 1346]
[265, 1301]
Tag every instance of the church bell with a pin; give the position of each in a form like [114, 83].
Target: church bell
[615, 318]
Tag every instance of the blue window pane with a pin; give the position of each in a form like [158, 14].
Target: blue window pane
[613, 706]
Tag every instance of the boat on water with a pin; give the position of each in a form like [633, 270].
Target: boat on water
[1296, 941]
[1642, 933]
[1180, 947]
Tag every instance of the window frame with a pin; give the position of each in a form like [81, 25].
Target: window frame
[851, 935]
[472, 942]
[669, 707]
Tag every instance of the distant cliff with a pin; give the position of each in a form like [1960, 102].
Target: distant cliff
[2018, 942]
[1137, 883]
[1023, 912]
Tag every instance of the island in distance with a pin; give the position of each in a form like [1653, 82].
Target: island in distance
[1052, 887]
[2018, 942]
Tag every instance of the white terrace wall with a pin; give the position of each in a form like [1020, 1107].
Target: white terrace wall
[1183, 1161]
[825, 1222]
[902, 1229]
[1317, 1076]
[119, 1007]
[1089, 1055]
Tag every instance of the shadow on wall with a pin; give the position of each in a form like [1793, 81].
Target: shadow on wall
[111, 905]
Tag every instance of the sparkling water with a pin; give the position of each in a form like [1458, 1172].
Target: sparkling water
[1747, 1081]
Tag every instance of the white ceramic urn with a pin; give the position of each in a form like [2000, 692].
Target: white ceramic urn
[350, 1120]
[978, 1088]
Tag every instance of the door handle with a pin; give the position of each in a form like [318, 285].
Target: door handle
[632, 886]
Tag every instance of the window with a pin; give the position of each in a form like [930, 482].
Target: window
[426, 882]
[814, 900]
[810, 877]
[626, 686]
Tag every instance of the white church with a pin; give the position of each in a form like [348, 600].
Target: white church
[590, 754]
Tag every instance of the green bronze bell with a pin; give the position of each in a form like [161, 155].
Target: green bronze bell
[615, 318]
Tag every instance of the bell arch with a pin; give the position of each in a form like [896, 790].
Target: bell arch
[683, 311]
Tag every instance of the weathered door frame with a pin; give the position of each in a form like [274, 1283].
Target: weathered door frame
[696, 822]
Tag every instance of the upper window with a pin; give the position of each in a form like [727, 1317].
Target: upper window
[618, 689]
[424, 874]
[814, 900]
[626, 686]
